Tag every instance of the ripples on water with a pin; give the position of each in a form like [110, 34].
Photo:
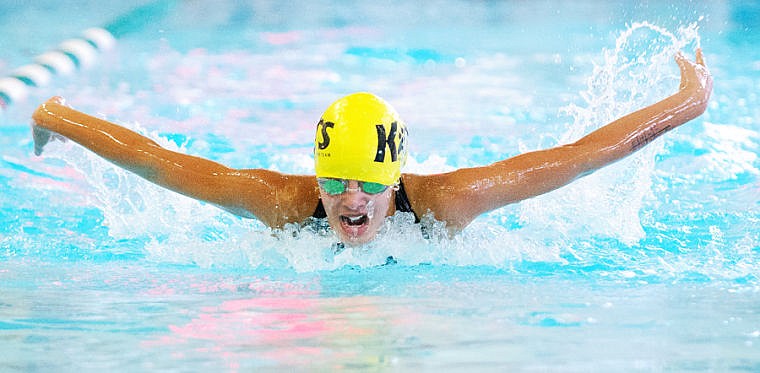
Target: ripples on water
[650, 264]
[638, 231]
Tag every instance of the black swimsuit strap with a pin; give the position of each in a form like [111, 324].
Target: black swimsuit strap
[402, 204]
[319, 212]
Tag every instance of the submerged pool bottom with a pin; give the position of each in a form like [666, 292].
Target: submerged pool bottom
[138, 316]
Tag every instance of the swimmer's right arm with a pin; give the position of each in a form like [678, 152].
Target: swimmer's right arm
[272, 197]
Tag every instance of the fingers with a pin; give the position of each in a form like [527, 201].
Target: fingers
[41, 137]
[683, 65]
[700, 58]
[681, 60]
[56, 100]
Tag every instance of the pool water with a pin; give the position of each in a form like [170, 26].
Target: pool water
[648, 265]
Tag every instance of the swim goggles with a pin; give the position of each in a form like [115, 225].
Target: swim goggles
[335, 187]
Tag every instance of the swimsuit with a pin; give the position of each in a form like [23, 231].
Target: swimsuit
[402, 204]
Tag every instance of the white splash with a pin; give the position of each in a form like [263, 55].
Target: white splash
[639, 71]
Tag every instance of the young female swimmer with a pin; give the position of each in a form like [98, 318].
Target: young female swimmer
[359, 150]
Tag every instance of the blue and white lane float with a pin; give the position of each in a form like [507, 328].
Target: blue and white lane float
[69, 56]
[76, 53]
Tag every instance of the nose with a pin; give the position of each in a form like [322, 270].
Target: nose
[354, 198]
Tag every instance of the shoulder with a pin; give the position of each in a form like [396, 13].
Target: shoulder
[296, 198]
[284, 198]
[439, 195]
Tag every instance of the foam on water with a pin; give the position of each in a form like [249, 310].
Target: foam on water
[637, 72]
[595, 224]
[656, 269]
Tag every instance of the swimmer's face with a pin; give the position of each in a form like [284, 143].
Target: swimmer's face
[355, 215]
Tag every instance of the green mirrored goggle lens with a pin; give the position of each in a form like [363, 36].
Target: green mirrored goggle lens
[334, 187]
[373, 188]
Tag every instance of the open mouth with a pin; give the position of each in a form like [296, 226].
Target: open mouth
[353, 221]
[353, 228]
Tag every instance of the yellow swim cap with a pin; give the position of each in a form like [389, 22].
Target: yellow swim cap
[360, 137]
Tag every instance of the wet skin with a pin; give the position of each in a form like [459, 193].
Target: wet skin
[454, 198]
[356, 216]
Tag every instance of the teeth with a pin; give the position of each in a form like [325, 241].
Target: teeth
[354, 220]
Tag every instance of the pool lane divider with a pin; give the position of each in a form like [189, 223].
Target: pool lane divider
[76, 53]
[67, 57]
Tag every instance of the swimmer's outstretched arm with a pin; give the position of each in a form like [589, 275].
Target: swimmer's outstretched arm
[272, 197]
[460, 196]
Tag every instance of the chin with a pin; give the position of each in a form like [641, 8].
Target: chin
[356, 234]
[357, 240]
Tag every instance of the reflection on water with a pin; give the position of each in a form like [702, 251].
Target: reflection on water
[144, 317]
[649, 265]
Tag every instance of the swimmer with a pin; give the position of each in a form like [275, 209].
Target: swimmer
[359, 150]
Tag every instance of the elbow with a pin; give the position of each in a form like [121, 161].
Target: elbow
[584, 159]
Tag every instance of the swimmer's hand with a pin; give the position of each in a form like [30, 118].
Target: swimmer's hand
[41, 135]
[696, 80]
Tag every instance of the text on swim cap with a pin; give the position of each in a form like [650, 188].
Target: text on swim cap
[383, 141]
[325, 137]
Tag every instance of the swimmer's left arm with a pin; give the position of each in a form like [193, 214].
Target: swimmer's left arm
[459, 197]
[630, 133]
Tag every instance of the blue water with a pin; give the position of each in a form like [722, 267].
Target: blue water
[649, 265]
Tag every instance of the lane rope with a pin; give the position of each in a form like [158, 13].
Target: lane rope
[70, 55]
[76, 53]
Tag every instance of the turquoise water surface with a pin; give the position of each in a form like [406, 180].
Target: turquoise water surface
[649, 265]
